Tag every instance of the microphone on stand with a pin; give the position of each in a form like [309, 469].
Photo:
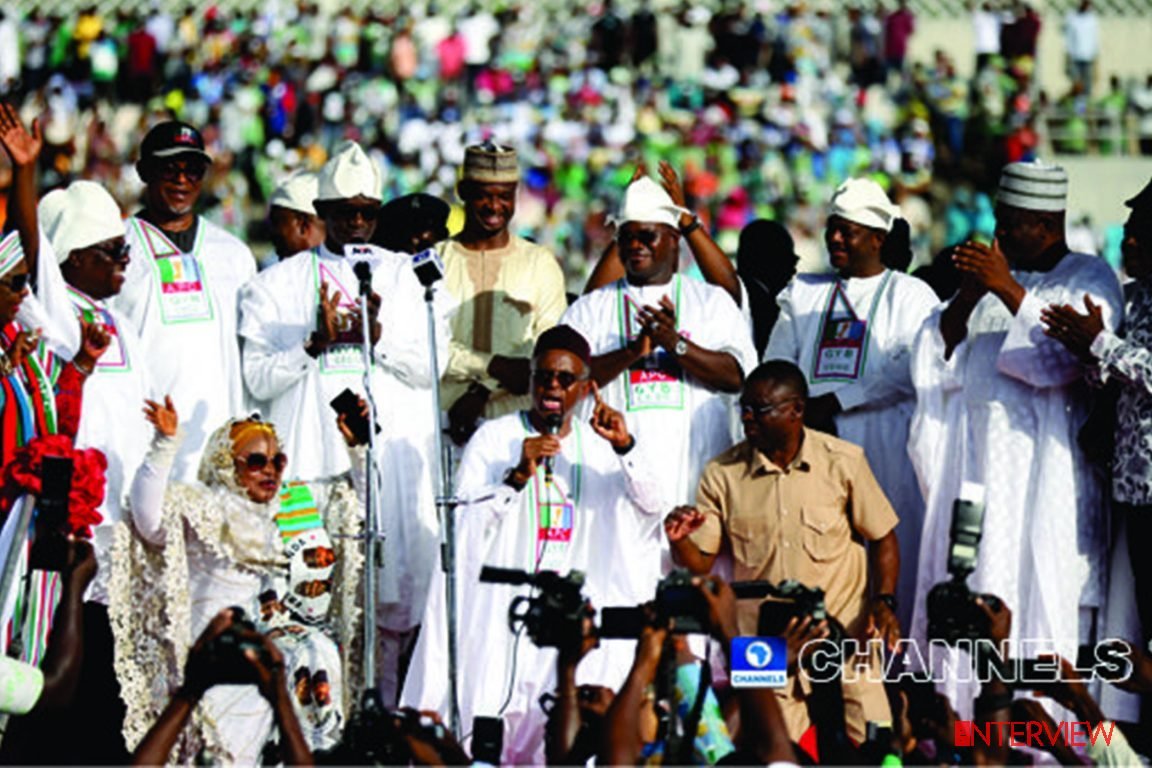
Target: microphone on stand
[364, 275]
[552, 424]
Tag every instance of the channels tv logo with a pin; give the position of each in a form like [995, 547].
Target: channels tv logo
[759, 662]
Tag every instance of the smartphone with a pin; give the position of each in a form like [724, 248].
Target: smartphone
[348, 404]
[487, 739]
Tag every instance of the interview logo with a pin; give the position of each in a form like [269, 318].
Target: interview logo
[759, 662]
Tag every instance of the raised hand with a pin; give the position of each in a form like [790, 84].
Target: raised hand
[682, 522]
[22, 146]
[94, 341]
[327, 319]
[163, 417]
[671, 183]
[609, 423]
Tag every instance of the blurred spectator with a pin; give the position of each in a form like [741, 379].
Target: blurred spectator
[1082, 44]
[898, 29]
[986, 32]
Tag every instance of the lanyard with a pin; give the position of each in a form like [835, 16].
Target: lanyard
[830, 336]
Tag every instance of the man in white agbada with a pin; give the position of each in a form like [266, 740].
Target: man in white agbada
[303, 346]
[180, 290]
[86, 231]
[292, 221]
[999, 405]
[668, 351]
[537, 500]
[851, 333]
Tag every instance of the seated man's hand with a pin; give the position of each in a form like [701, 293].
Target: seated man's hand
[882, 623]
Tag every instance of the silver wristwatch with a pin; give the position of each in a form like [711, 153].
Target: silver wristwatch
[681, 347]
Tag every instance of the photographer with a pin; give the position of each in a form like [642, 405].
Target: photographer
[200, 674]
[794, 503]
[763, 737]
[26, 689]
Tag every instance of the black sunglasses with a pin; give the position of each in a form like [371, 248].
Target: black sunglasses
[349, 212]
[17, 283]
[766, 408]
[257, 461]
[118, 254]
[171, 171]
[543, 378]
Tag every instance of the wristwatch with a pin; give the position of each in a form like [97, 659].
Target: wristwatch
[681, 347]
[888, 599]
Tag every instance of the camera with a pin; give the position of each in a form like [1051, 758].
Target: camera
[554, 616]
[953, 613]
[786, 601]
[224, 654]
[678, 601]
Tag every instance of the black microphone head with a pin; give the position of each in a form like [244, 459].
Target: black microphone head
[553, 422]
[363, 271]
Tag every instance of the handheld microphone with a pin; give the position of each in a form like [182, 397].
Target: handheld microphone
[552, 424]
[364, 275]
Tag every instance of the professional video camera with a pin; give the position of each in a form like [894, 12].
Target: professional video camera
[790, 599]
[554, 615]
[678, 601]
[953, 614]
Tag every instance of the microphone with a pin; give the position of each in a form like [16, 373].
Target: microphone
[364, 275]
[552, 424]
[428, 267]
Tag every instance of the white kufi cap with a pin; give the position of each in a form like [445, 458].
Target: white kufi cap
[864, 202]
[297, 192]
[1034, 186]
[349, 172]
[81, 215]
[646, 201]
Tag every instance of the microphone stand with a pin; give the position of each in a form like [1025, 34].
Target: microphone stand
[429, 271]
[373, 556]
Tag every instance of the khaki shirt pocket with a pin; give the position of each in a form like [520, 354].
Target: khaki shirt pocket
[749, 537]
[824, 532]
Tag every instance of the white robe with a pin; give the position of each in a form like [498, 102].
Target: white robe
[111, 420]
[878, 404]
[278, 313]
[196, 360]
[684, 439]
[498, 528]
[1004, 412]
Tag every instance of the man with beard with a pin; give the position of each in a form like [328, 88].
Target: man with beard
[180, 290]
[509, 291]
[303, 346]
[540, 490]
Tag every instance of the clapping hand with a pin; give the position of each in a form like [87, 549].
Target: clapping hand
[163, 417]
[660, 323]
[1072, 329]
[682, 522]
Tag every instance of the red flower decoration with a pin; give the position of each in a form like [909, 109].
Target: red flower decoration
[22, 475]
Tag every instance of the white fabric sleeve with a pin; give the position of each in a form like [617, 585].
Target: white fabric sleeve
[1115, 750]
[49, 309]
[403, 348]
[270, 368]
[579, 317]
[1123, 360]
[783, 344]
[1034, 358]
[20, 685]
[146, 502]
[731, 332]
[645, 487]
[480, 486]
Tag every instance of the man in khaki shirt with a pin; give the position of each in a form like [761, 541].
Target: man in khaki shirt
[794, 503]
[509, 290]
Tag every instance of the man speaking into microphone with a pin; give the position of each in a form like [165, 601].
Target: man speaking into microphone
[304, 345]
[517, 513]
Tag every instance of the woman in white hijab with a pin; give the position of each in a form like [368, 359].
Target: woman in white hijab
[236, 538]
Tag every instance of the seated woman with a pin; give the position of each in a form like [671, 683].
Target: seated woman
[236, 538]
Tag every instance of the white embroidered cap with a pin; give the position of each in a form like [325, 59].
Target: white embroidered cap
[1035, 186]
[81, 215]
[864, 202]
[348, 173]
[297, 192]
[646, 201]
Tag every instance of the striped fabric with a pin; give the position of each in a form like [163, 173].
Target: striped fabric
[298, 511]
